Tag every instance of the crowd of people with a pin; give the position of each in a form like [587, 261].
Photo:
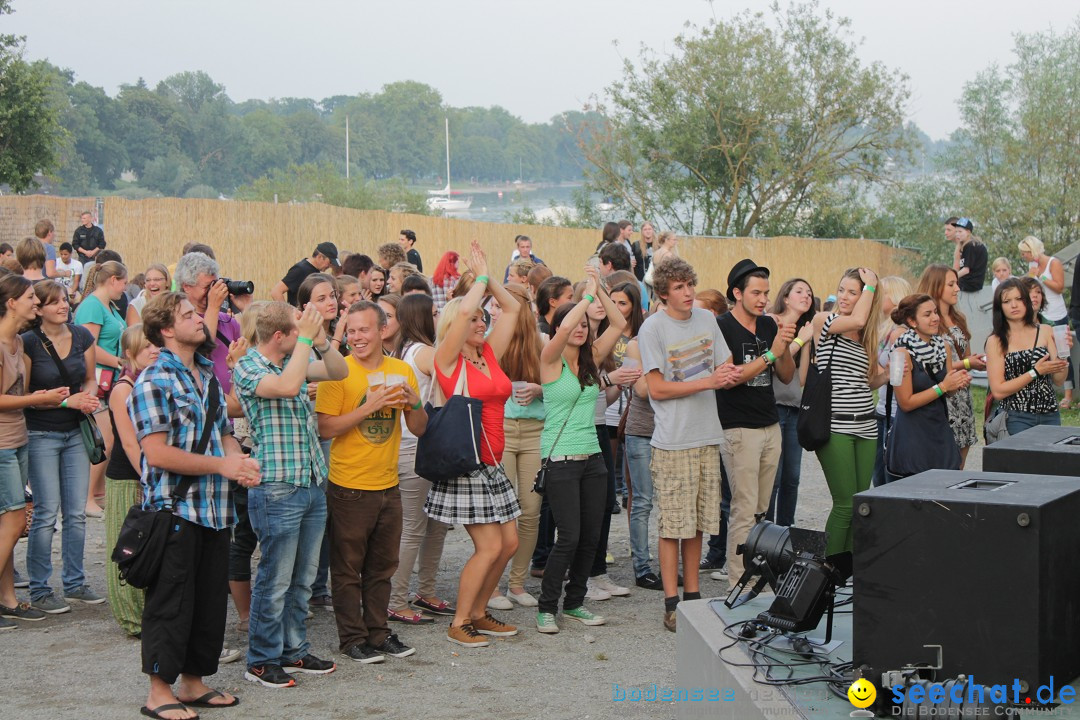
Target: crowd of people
[297, 426]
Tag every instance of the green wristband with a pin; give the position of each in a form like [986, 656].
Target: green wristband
[417, 406]
[482, 278]
[870, 288]
[63, 403]
[306, 341]
[588, 297]
[769, 357]
[938, 390]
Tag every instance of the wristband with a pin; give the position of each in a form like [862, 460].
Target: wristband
[306, 341]
[769, 357]
[63, 403]
[938, 390]
[967, 363]
[417, 406]
[1033, 373]
[482, 278]
[799, 341]
[588, 297]
[336, 339]
[324, 349]
[870, 288]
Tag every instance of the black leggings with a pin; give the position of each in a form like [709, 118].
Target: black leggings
[599, 565]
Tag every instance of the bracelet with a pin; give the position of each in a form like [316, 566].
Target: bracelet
[482, 278]
[769, 357]
[336, 339]
[417, 406]
[63, 403]
[588, 297]
[799, 341]
[306, 341]
[938, 390]
[324, 349]
[1033, 373]
[870, 288]
[967, 364]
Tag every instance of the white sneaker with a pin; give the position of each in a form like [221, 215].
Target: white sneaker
[596, 593]
[523, 598]
[604, 583]
[720, 574]
[499, 602]
[229, 655]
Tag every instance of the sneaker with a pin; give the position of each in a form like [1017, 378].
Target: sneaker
[489, 625]
[545, 623]
[230, 655]
[84, 595]
[21, 581]
[364, 654]
[707, 564]
[650, 581]
[720, 574]
[500, 602]
[322, 601]
[616, 509]
[395, 648]
[310, 664]
[7, 625]
[271, 676]
[522, 598]
[596, 593]
[583, 616]
[50, 605]
[440, 608]
[466, 636]
[669, 620]
[604, 583]
[21, 611]
[408, 617]
[536, 572]
[310, 614]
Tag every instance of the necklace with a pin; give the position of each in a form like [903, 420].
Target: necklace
[479, 362]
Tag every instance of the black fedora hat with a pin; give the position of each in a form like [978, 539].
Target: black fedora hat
[741, 270]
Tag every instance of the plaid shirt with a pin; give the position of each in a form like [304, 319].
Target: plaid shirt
[166, 399]
[283, 430]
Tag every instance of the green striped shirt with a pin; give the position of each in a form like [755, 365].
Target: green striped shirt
[564, 398]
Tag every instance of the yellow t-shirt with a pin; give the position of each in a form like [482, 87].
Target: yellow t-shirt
[364, 457]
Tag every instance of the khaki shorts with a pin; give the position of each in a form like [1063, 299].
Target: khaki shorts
[686, 489]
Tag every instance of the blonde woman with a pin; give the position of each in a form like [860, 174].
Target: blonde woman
[667, 245]
[122, 486]
[1050, 273]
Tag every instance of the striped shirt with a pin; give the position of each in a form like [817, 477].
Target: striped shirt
[851, 393]
[166, 399]
[283, 430]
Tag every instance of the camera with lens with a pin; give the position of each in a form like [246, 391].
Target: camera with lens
[239, 287]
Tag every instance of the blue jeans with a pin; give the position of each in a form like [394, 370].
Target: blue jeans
[59, 479]
[639, 455]
[786, 490]
[321, 586]
[717, 552]
[13, 479]
[880, 477]
[1017, 422]
[289, 522]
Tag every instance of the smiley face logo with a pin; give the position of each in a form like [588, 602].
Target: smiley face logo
[862, 693]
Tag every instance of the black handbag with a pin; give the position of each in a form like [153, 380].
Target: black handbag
[450, 445]
[815, 409]
[540, 483]
[91, 435]
[140, 545]
[913, 443]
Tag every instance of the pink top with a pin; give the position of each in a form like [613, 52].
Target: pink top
[493, 392]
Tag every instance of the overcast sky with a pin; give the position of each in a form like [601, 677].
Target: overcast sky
[533, 58]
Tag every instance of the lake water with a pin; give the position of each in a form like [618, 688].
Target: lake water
[491, 207]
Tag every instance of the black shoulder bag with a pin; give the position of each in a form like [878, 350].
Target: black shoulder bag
[91, 435]
[814, 424]
[141, 543]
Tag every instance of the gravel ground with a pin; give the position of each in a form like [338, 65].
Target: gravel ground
[80, 665]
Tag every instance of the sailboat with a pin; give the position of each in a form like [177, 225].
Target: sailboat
[443, 199]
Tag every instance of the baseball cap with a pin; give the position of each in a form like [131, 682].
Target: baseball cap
[329, 250]
[964, 223]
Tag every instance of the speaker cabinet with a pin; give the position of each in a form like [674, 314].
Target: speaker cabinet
[985, 565]
[1045, 450]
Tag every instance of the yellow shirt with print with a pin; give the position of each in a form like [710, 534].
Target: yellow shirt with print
[364, 457]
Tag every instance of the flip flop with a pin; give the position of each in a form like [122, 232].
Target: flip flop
[204, 701]
[156, 712]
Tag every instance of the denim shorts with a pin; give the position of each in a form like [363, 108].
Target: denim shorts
[13, 478]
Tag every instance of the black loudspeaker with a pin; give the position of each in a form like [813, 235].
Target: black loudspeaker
[984, 565]
[1045, 449]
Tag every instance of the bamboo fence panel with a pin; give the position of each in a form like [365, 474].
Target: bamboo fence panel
[260, 241]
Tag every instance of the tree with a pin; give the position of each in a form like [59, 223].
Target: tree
[30, 132]
[323, 183]
[1017, 154]
[747, 122]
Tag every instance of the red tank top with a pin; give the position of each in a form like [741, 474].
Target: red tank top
[492, 392]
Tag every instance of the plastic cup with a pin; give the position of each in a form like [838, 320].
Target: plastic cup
[630, 363]
[518, 388]
[396, 383]
[375, 381]
[896, 368]
[1061, 340]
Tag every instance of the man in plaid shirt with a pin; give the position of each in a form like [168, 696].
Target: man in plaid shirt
[288, 509]
[183, 626]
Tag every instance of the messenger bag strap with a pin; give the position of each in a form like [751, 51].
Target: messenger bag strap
[181, 490]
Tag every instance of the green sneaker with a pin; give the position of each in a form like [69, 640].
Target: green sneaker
[545, 623]
[583, 616]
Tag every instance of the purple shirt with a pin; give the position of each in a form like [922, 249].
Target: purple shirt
[227, 332]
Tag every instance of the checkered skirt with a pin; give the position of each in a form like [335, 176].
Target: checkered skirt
[484, 496]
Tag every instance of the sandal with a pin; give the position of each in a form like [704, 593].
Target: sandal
[1065, 404]
[156, 712]
[204, 701]
[410, 618]
[440, 608]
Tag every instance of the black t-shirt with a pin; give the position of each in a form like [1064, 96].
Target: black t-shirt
[120, 467]
[296, 275]
[751, 404]
[44, 375]
[87, 238]
[973, 256]
[414, 257]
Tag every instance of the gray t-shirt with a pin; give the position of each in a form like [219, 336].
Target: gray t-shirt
[684, 350]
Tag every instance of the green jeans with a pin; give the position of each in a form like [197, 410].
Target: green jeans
[848, 464]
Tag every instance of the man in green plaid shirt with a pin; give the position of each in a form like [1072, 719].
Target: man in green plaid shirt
[288, 510]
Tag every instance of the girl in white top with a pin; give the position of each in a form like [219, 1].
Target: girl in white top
[1051, 275]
